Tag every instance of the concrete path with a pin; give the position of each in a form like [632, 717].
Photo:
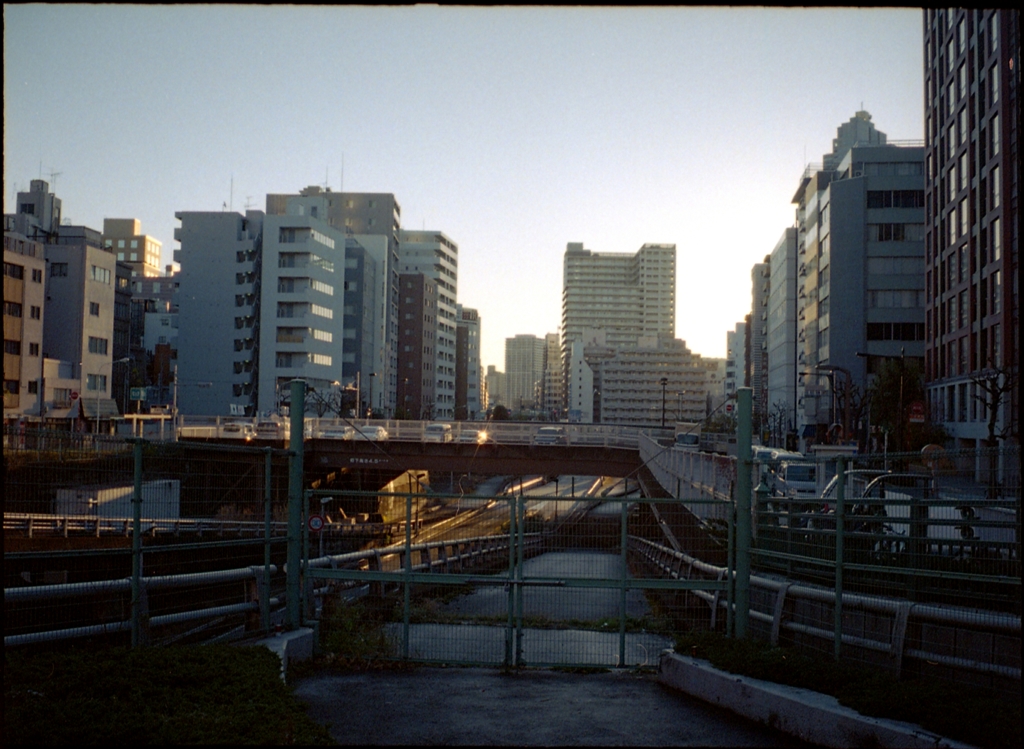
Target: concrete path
[478, 706]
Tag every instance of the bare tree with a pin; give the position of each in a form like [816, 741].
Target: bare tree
[993, 388]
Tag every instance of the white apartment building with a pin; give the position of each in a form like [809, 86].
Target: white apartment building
[626, 295]
[735, 358]
[656, 382]
[437, 257]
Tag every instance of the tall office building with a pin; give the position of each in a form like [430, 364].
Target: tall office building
[972, 127]
[124, 237]
[860, 256]
[495, 386]
[524, 371]
[782, 338]
[626, 295]
[468, 380]
[435, 256]
[362, 214]
[554, 378]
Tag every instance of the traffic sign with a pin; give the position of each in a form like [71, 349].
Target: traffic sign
[137, 394]
[74, 395]
[916, 412]
[316, 523]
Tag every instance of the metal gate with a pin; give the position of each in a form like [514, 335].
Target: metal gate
[510, 580]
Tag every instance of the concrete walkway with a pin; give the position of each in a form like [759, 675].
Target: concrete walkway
[478, 706]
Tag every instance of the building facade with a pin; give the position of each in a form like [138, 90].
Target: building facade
[524, 372]
[757, 362]
[364, 215]
[972, 130]
[436, 256]
[469, 397]
[860, 255]
[782, 339]
[417, 337]
[24, 293]
[124, 237]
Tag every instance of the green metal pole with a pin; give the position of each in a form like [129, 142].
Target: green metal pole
[408, 572]
[509, 631]
[520, 522]
[840, 527]
[623, 568]
[743, 489]
[137, 612]
[267, 519]
[293, 580]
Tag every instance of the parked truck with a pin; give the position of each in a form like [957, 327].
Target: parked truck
[160, 499]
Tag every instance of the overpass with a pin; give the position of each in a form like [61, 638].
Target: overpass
[493, 459]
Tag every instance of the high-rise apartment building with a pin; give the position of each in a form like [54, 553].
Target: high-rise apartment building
[735, 358]
[972, 130]
[417, 338]
[124, 237]
[554, 378]
[782, 338]
[437, 257]
[625, 295]
[362, 214]
[760, 276]
[860, 269]
[524, 371]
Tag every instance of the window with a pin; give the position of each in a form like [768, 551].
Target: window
[12, 347]
[33, 387]
[58, 270]
[11, 387]
[37, 275]
[97, 345]
[895, 232]
[94, 309]
[36, 313]
[994, 181]
[96, 382]
[96, 273]
[12, 309]
[134, 245]
[120, 244]
[14, 271]
[33, 349]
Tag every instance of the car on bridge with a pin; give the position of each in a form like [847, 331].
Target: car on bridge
[371, 433]
[549, 436]
[437, 433]
[475, 436]
[337, 433]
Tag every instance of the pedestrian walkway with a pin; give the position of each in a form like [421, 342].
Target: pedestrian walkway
[429, 706]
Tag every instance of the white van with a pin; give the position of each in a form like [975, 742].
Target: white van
[437, 433]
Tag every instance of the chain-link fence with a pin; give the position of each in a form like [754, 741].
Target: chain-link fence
[565, 572]
[125, 539]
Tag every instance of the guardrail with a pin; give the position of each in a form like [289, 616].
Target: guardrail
[903, 630]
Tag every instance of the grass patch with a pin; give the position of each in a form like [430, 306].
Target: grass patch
[972, 715]
[211, 694]
[352, 635]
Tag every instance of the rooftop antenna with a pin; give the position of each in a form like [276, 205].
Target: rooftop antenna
[327, 179]
[248, 202]
[231, 195]
[342, 188]
[53, 179]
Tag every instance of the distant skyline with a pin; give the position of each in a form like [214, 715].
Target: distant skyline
[514, 130]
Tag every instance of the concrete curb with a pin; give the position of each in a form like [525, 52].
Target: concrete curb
[811, 716]
[294, 646]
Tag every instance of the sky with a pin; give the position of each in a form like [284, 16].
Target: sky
[513, 130]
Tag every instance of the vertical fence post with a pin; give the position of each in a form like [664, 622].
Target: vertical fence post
[137, 605]
[743, 489]
[520, 522]
[840, 529]
[510, 629]
[267, 520]
[295, 495]
[408, 573]
[623, 574]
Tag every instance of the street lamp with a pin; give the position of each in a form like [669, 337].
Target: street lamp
[98, 375]
[664, 384]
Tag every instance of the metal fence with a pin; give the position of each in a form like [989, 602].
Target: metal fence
[152, 542]
[535, 578]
